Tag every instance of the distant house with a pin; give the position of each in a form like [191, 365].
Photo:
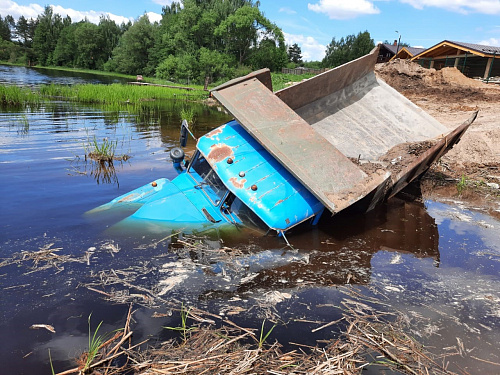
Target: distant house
[393, 51]
[473, 60]
[407, 52]
[387, 51]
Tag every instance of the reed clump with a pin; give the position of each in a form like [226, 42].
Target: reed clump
[103, 151]
[18, 96]
[118, 93]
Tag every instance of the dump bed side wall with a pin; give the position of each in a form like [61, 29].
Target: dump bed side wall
[324, 84]
[368, 118]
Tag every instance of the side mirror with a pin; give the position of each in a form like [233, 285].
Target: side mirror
[177, 154]
[184, 133]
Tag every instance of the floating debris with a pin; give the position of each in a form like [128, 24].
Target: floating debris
[44, 326]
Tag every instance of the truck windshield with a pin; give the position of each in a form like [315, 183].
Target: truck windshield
[211, 183]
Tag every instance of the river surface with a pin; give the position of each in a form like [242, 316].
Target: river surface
[437, 264]
[24, 76]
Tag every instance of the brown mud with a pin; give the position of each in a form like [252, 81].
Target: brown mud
[451, 98]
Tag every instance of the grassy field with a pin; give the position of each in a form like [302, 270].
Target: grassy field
[281, 80]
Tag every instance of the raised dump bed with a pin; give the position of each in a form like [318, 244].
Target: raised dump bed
[344, 134]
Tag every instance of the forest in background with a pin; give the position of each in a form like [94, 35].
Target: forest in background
[196, 41]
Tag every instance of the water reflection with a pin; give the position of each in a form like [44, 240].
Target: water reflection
[24, 76]
[338, 252]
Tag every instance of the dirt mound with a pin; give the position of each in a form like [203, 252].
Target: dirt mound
[397, 69]
[451, 98]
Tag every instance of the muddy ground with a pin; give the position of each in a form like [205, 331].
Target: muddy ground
[452, 98]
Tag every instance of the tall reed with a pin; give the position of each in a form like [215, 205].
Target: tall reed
[18, 96]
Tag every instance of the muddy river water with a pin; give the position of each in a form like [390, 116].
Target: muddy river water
[437, 264]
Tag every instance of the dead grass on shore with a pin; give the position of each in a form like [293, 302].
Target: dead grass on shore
[215, 345]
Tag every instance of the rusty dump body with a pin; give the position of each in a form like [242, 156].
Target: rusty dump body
[345, 135]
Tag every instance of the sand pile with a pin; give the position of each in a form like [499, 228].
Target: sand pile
[398, 69]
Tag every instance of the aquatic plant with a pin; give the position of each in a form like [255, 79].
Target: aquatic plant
[18, 96]
[102, 151]
[263, 338]
[187, 113]
[95, 342]
[184, 329]
[119, 94]
[22, 124]
[51, 365]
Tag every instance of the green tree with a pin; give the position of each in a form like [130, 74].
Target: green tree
[214, 65]
[109, 34]
[65, 53]
[89, 45]
[6, 24]
[269, 55]
[47, 34]
[347, 49]
[240, 31]
[295, 54]
[25, 30]
[132, 53]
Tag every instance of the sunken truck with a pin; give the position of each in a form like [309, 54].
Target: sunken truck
[341, 139]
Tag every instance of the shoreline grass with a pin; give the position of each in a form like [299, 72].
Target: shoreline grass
[18, 96]
[114, 94]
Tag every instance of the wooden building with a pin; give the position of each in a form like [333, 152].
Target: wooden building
[473, 60]
[406, 53]
[387, 51]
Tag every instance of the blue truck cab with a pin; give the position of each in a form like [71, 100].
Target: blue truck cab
[230, 180]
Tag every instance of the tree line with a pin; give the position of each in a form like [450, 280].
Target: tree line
[198, 41]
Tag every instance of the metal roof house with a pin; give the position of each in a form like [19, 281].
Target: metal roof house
[387, 51]
[473, 60]
[394, 51]
[407, 53]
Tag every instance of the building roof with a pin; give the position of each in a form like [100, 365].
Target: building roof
[414, 50]
[407, 52]
[391, 47]
[449, 48]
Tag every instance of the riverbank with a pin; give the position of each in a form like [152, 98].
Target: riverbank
[472, 168]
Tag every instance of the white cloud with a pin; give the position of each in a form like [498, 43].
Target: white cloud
[460, 6]
[287, 10]
[493, 42]
[8, 7]
[163, 2]
[311, 49]
[33, 10]
[344, 9]
[91, 15]
[154, 17]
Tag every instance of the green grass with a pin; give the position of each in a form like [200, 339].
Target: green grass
[187, 113]
[118, 93]
[280, 80]
[462, 184]
[95, 342]
[18, 96]
[263, 338]
[183, 329]
[102, 151]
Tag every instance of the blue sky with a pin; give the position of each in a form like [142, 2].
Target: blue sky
[313, 23]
